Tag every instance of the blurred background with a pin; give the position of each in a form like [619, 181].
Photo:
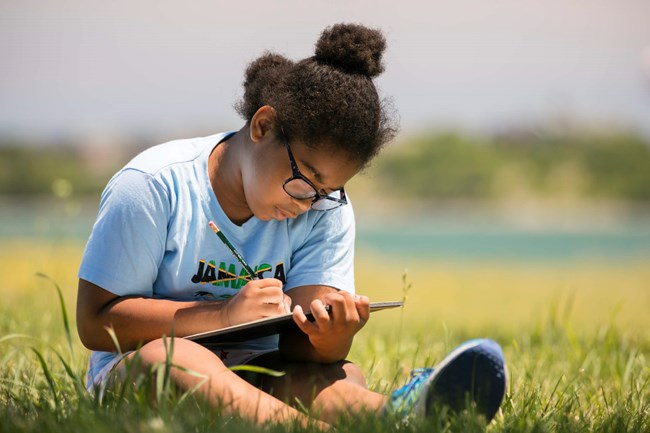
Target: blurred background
[518, 188]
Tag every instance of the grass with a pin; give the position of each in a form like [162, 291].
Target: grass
[576, 338]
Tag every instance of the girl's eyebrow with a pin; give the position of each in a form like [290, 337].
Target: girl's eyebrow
[313, 170]
[317, 176]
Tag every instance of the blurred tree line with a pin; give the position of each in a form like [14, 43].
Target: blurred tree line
[26, 171]
[438, 165]
[577, 165]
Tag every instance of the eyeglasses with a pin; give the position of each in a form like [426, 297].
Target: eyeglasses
[301, 188]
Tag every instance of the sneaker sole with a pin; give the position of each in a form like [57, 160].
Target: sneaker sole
[473, 373]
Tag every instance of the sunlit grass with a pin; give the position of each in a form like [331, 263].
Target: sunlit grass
[576, 337]
[511, 295]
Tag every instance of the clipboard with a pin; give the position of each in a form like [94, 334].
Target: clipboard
[265, 327]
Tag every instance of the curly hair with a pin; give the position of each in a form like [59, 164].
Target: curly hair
[328, 99]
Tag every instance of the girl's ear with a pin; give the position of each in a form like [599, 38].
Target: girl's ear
[262, 123]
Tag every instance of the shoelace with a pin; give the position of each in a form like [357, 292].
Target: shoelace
[403, 399]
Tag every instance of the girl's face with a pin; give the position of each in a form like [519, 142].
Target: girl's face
[270, 167]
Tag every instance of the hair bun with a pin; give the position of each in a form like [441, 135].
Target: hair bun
[266, 63]
[353, 48]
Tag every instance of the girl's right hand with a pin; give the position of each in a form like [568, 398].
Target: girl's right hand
[256, 300]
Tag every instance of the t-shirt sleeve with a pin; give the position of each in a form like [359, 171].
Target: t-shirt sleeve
[128, 240]
[327, 255]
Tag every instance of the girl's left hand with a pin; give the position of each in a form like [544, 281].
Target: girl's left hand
[331, 333]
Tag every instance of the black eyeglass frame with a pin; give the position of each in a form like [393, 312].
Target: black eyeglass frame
[297, 175]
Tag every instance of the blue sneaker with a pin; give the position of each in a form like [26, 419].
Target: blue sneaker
[473, 373]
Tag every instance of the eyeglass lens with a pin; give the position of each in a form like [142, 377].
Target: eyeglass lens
[298, 188]
[301, 190]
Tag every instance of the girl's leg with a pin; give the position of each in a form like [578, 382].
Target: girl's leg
[329, 390]
[219, 385]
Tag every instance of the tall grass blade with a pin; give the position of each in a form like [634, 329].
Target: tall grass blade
[76, 380]
[168, 358]
[64, 310]
[196, 387]
[406, 287]
[159, 374]
[167, 367]
[113, 335]
[48, 376]
[259, 370]
[14, 336]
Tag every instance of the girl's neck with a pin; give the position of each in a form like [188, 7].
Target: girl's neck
[224, 171]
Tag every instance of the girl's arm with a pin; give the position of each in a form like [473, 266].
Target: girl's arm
[329, 338]
[137, 320]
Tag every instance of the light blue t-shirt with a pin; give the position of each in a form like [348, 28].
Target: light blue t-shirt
[152, 239]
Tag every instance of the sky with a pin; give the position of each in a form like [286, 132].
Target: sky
[85, 68]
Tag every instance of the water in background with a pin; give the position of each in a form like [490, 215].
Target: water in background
[457, 236]
[478, 243]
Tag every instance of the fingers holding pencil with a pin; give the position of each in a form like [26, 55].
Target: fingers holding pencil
[260, 298]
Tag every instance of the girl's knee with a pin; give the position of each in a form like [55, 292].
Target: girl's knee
[354, 374]
[182, 352]
[343, 370]
[156, 351]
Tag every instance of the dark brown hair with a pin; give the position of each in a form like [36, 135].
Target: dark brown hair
[328, 99]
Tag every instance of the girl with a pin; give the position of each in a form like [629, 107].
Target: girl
[276, 190]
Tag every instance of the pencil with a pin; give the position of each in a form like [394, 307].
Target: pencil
[232, 249]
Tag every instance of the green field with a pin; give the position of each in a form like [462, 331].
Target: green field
[576, 336]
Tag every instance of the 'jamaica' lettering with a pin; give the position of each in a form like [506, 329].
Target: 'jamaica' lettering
[224, 277]
[259, 270]
[227, 275]
[279, 272]
[198, 277]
